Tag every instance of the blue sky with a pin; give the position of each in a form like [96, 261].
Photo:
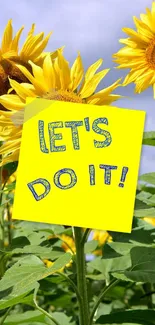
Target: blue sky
[92, 27]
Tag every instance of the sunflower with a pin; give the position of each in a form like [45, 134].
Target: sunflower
[54, 81]
[32, 49]
[150, 220]
[138, 54]
[103, 237]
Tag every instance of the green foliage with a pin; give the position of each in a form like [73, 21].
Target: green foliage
[38, 268]
[149, 138]
[145, 317]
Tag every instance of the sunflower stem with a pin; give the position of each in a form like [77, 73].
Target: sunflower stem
[85, 236]
[81, 277]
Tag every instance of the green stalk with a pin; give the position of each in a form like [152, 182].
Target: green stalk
[81, 277]
[148, 287]
[41, 309]
[5, 316]
[100, 298]
[2, 225]
[1, 212]
[9, 226]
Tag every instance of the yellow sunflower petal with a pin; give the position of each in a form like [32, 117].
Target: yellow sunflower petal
[55, 53]
[30, 43]
[38, 73]
[20, 90]
[109, 99]
[64, 71]
[93, 101]
[15, 41]
[5, 121]
[127, 41]
[135, 36]
[106, 91]
[137, 63]
[148, 73]
[9, 54]
[39, 48]
[40, 88]
[130, 52]
[92, 69]
[143, 28]
[90, 86]
[11, 102]
[56, 72]
[14, 156]
[28, 86]
[90, 73]
[133, 75]
[145, 20]
[142, 83]
[40, 59]
[9, 145]
[32, 30]
[77, 72]
[48, 71]
[7, 37]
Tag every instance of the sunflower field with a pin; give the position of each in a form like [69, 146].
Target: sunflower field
[56, 274]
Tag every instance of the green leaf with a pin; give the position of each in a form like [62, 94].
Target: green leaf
[144, 205]
[29, 227]
[9, 187]
[148, 178]
[149, 138]
[143, 265]
[139, 205]
[29, 316]
[144, 317]
[146, 197]
[90, 246]
[13, 297]
[11, 167]
[28, 300]
[107, 266]
[96, 277]
[116, 249]
[19, 242]
[121, 276]
[62, 319]
[144, 187]
[144, 213]
[143, 195]
[36, 232]
[40, 251]
[22, 277]
[144, 234]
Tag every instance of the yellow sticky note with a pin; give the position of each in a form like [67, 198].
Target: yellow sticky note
[79, 165]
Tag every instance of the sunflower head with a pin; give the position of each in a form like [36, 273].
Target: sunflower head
[10, 55]
[55, 80]
[138, 54]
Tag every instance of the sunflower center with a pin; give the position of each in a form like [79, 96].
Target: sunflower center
[150, 54]
[63, 95]
[9, 69]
